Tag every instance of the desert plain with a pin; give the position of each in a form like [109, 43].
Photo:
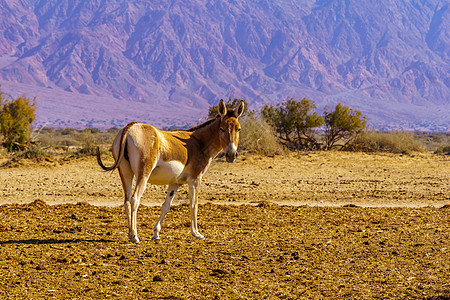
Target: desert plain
[308, 225]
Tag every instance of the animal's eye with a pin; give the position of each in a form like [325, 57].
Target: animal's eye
[222, 129]
[239, 129]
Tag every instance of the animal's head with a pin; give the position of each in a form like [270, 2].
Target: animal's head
[229, 129]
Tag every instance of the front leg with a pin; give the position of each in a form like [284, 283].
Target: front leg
[193, 198]
[171, 191]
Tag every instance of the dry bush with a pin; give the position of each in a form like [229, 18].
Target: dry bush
[445, 150]
[435, 142]
[258, 137]
[88, 143]
[393, 142]
[85, 139]
[34, 153]
[57, 138]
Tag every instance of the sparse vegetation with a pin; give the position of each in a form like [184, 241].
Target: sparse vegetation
[296, 126]
[257, 136]
[69, 140]
[290, 125]
[393, 142]
[434, 142]
[60, 145]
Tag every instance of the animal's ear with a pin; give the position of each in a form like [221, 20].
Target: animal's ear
[222, 108]
[239, 109]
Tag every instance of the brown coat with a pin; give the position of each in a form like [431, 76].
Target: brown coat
[171, 158]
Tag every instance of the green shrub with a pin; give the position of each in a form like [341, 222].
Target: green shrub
[342, 124]
[295, 122]
[393, 142]
[258, 137]
[16, 118]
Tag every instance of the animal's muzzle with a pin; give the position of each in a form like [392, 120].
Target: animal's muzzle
[231, 152]
[231, 157]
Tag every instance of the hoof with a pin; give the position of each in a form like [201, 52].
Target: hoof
[155, 238]
[199, 236]
[134, 239]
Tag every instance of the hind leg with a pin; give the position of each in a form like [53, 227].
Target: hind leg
[171, 191]
[141, 183]
[126, 176]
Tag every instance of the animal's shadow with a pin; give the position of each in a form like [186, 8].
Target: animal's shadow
[53, 241]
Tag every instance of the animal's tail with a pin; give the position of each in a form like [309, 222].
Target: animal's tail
[121, 150]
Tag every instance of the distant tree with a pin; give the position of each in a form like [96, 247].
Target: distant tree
[342, 123]
[230, 104]
[16, 118]
[295, 122]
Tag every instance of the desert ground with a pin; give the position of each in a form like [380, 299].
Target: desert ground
[321, 225]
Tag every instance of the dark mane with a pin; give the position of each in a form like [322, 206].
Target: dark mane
[196, 127]
[230, 113]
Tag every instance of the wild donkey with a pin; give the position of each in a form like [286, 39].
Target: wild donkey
[171, 158]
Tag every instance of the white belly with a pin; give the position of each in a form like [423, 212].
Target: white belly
[167, 172]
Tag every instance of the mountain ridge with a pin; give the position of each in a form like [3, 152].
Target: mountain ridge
[384, 56]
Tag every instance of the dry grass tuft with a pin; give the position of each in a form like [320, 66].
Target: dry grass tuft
[257, 137]
[393, 142]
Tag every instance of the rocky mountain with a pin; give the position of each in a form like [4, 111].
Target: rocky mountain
[102, 62]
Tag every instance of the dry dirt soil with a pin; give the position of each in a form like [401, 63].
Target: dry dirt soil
[308, 225]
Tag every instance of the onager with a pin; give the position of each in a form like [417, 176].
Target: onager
[171, 158]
